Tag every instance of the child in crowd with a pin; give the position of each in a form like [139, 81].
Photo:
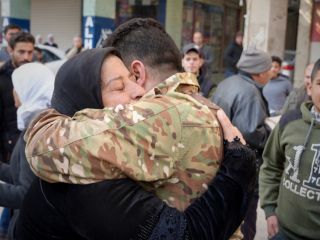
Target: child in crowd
[290, 174]
[277, 89]
[192, 61]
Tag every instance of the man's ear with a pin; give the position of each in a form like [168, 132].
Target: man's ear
[138, 69]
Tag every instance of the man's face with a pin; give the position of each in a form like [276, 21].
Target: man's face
[197, 38]
[263, 78]
[191, 62]
[314, 89]
[22, 53]
[275, 70]
[10, 33]
[239, 40]
[38, 55]
[77, 42]
[118, 84]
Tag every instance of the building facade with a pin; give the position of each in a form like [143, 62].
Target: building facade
[95, 19]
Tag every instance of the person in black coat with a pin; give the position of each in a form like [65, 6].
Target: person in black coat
[22, 46]
[232, 55]
[33, 87]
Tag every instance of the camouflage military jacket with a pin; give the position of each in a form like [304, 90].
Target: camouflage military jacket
[167, 140]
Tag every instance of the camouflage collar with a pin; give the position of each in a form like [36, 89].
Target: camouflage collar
[173, 83]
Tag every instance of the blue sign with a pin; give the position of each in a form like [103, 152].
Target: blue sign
[95, 30]
[23, 23]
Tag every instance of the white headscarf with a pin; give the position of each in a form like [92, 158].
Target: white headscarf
[33, 83]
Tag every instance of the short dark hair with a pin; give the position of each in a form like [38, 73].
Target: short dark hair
[276, 59]
[11, 26]
[315, 70]
[21, 37]
[146, 40]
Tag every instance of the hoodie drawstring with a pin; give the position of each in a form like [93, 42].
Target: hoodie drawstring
[306, 141]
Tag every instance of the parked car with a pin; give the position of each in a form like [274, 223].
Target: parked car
[51, 53]
[55, 65]
[288, 63]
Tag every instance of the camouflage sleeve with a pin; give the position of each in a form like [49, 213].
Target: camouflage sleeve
[138, 140]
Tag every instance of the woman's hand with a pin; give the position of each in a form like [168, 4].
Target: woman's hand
[230, 132]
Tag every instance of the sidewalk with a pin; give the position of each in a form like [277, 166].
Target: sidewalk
[261, 225]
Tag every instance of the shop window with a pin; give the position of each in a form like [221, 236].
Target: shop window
[207, 19]
[128, 9]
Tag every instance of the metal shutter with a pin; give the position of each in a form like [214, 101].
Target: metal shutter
[62, 18]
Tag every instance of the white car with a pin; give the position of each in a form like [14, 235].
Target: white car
[55, 65]
[51, 53]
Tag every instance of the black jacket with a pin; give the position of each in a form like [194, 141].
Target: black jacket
[9, 132]
[231, 56]
[17, 177]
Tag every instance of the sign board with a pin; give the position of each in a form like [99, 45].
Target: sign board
[96, 29]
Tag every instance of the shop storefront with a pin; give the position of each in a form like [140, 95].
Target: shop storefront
[128, 9]
[217, 21]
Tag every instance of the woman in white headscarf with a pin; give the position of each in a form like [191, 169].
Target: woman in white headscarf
[33, 86]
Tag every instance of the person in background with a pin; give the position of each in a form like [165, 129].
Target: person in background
[39, 39]
[232, 55]
[76, 48]
[21, 52]
[289, 177]
[278, 89]
[38, 56]
[50, 41]
[205, 50]
[21, 47]
[240, 96]
[192, 62]
[33, 87]
[299, 95]
[9, 31]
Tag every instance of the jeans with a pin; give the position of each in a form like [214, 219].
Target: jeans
[5, 220]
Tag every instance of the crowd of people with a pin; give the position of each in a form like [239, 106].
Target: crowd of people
[135, 141]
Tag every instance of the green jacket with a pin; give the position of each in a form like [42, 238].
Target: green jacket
[290, 175]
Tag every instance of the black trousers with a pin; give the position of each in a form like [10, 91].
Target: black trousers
[77, 212]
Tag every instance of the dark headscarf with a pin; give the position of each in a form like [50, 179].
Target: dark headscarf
[78, 82]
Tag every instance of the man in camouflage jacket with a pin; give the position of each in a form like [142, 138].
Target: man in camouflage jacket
[168, 140]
